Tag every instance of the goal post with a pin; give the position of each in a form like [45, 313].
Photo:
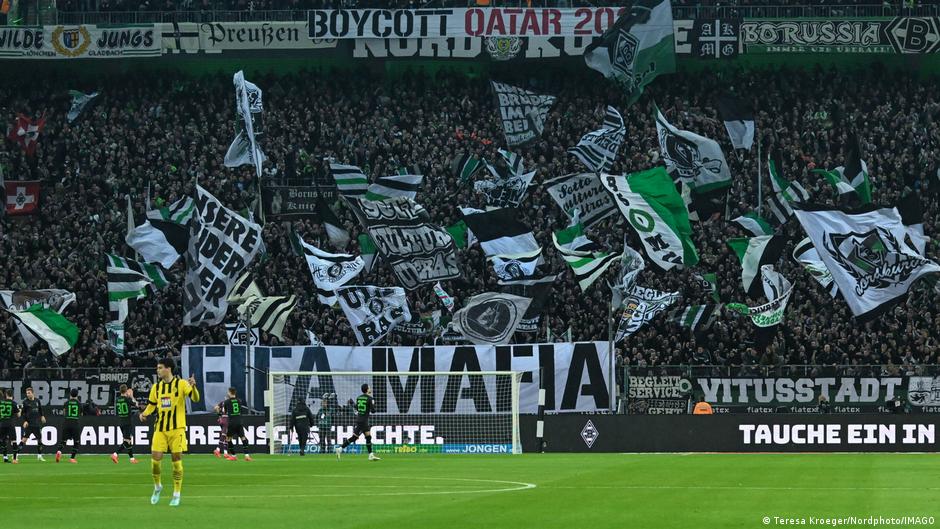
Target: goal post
[447, 412]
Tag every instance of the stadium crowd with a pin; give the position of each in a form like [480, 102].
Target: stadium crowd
[168, 130]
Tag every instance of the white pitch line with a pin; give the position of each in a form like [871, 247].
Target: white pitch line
[729, 487]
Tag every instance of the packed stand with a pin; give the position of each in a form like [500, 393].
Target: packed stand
[170, 130]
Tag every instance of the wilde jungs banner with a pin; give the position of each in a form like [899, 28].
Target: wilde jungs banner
[584, 192]
[221, 246]
[79, 42]
[294, 201]
[576, 376]
[522, 112]
[418, 251]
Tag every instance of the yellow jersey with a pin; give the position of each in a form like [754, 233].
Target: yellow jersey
[169, 401]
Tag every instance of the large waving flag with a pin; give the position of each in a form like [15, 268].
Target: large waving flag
[597, 149]
[164, 236]
[637, 48]
[755, 252]
[692, 158]
[59, 333]
[649, 201]
[851, 177]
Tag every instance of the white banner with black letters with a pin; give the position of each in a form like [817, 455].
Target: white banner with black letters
[584, 192]
[418, 251]
[522, 112]
[221, 246]
[576, 376]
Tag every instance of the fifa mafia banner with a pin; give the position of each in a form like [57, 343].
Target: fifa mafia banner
[470, 22]
[576, 376]
[294, 201]
[418, 251]
[79, 42]
[99, 388]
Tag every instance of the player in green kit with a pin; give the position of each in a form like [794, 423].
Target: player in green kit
[125, 407]
[71, 429]
[8, 412]
[365, 405]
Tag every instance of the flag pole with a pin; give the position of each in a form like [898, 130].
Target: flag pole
[759, 187]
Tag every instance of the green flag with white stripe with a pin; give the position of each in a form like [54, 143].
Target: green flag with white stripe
[59, 333]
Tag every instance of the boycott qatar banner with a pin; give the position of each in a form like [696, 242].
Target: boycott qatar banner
[470, 22]
[576, 376]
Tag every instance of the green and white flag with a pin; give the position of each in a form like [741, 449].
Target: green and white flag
[115, 333]
[649, 201]
[755, 224]
[466, 166]
[50, 326]
[692, 158]
[637, 48]
[696, 317]
[771, 313]
[403, 184]
[581, 254]
[709, 283]
[754, 252]
[350, 180]
[368, 250]
[853, 176]
[155, 273]
[805, 254]
[124, 287]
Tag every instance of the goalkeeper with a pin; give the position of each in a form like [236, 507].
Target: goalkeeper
[365, 405]
[300, 421]
[325, 422]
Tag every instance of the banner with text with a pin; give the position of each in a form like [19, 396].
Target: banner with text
[576, 376]
[79, 42]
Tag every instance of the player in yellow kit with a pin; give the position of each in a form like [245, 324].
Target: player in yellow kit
[168, 400]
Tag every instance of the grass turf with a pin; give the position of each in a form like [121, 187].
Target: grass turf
[543, 491]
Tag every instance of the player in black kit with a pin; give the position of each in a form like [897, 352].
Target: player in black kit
[33, 419]
[300, 420]
[234, 407]
[8, 412]
[125, 407]
[71, 429]
[365, 405]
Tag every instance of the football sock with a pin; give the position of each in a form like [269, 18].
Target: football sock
[177, 477]
[155, 470]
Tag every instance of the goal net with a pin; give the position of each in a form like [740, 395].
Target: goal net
[416, 412]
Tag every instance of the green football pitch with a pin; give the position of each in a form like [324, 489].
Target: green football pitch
[542, 491]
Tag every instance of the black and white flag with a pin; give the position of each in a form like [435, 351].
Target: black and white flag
[491, 318]
[504, 192]
[585, 193]
[418, 251]
[597, 149]
[866, 253]
[270, 313]
[739, 121]
[80, 101]
[538, 290]
[523, 113]
[248, 105]
[640, 306]
[164, 236]
[330, 270]
[692, 158]
[500, 232]
[221, 247]
[373, 311]
[510, 267]
[805, 254]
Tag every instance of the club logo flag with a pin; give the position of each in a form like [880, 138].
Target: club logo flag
[640, 306]
[373, 311]
[22, 197]
[221, 247]
[509, 267]
[538, 290]
[330, 270]
[491, 318]
[691, 158]
[651, 204]
[866, 253]
[80, 100]
[523, 113]
[504, 192]
[637, 48]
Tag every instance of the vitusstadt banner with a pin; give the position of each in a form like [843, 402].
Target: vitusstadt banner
[472, 22]
[576, 376]
[79, 42]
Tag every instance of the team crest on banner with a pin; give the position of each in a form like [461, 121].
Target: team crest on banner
[924, 391]
[625, 59]
[503, 48]
[491, 318]
[71, 42]
[874, 259]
